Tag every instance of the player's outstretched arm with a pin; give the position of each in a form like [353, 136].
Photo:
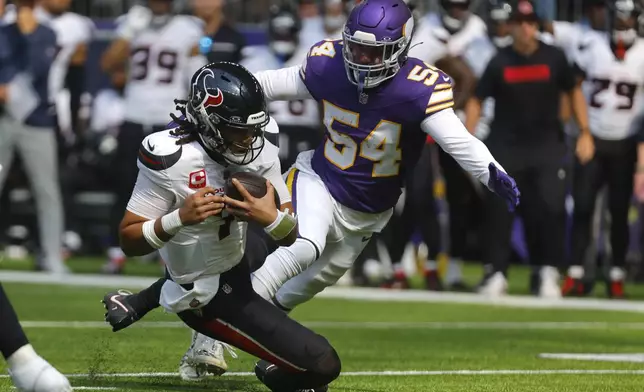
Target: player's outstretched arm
[143, 232]
[283, 84]
[280, 225]
[473, 156]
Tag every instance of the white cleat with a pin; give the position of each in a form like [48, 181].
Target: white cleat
[38, 375]
[495, 286]
[549, 287]
[205, 356]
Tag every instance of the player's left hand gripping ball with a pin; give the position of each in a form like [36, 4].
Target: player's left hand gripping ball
[505, 186]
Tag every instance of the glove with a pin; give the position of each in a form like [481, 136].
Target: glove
[136, 20]
[504, 186]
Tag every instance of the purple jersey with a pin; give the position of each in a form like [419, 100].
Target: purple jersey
[372, 139]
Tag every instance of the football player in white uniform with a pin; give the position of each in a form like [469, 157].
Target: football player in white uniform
[299, 120]
[568, 35]
[613, 71]
[161, 53]
[178, 207]
[447, 33]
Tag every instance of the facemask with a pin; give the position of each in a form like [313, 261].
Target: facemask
[283, 48]
[502, 42]
[626, 37]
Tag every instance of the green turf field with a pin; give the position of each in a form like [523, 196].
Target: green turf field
[454, 347]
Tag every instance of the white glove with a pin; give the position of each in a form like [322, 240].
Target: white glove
[136, 20]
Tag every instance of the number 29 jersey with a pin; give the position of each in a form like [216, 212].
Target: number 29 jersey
[371, 139]
[158, 69]
[613, 87]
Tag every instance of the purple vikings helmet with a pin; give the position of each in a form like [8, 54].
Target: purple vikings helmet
[376, 37]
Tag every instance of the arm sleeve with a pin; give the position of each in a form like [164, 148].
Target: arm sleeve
[284, 84]
[274, 174]
[470, 153]
[150, 199]
[487, 84]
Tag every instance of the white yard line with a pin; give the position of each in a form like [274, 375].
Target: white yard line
[81, 388]
[493, 325]
[389, 373]
[353, 293]
[633, 358]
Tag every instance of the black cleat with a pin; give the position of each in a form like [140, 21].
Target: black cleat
[120, 314]
[263, 368]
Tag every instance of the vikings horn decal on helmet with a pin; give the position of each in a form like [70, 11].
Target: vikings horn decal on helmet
[376, 38]
[227, 105]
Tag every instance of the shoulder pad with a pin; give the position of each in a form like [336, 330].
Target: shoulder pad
[159, 151]
[271, 132]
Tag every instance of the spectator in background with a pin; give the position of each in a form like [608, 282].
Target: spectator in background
[335, 14]
[441, 39]
[526, 81]
[222, 41]
[160, 51]
[299, 120]
[28, 123]
[612, 72]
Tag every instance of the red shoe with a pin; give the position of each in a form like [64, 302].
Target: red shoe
[616, 289]
[398, 281]
[572, 287]
[433, 281]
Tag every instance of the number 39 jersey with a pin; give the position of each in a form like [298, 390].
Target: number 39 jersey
[158, 69]
[371, 138]
[613, 87]
[169, 173]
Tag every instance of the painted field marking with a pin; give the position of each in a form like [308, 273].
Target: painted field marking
[351, 293]
[476, 325]
[391, 373]
[633, 358]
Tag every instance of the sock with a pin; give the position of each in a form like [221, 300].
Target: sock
[147, 299]
[282, 265]
[454, 273]
[12, 337]
[21, 357]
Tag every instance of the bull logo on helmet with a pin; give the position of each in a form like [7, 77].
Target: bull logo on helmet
[209, 100]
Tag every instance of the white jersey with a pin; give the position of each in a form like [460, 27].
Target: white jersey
[568, 35]
[297, 113]
[168, 174]
[613, 88]
[158, 69]
[432, 41]
[477, 55]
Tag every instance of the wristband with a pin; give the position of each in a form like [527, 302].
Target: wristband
[282, 226]
[171, 222]
[639, 169]
[151, 236]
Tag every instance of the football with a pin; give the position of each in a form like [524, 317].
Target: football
[254, 184]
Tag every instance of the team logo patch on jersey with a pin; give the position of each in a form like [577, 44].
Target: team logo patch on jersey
[197, 179]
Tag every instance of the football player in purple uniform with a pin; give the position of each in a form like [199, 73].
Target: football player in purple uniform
[378, 107]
